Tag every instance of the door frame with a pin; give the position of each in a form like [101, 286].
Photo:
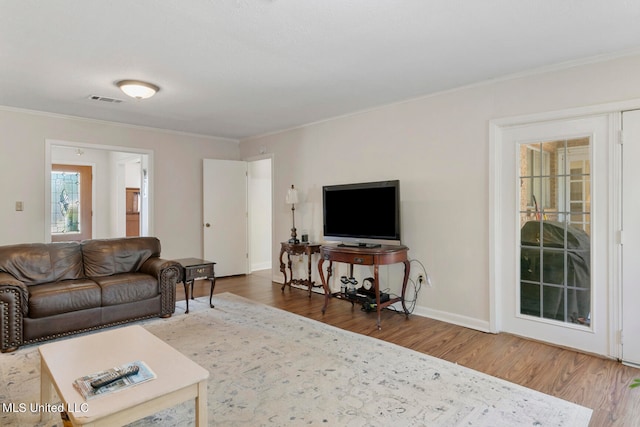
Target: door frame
[147, 182]
[496, 129]
[630, 356]
[251, 208]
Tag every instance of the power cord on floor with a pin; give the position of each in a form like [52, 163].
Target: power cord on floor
[410, 303]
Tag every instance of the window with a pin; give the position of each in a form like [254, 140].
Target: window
[555, 203]
[538, 193]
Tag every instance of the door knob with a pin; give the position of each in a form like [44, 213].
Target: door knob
[207, 225]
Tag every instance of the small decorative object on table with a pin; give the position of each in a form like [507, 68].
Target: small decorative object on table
[292, 199]
[85, 384]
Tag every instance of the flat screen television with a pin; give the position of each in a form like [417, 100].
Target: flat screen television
[363, 214]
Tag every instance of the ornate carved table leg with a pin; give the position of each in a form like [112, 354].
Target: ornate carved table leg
[407, 270]
[283, 268]
[213, 285]
[188, 284]
[309, 282]
[376, 288]
[325, 282]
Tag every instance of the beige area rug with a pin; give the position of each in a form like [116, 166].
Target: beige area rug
[273, 368]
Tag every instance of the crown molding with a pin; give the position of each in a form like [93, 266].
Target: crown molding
[112, 123]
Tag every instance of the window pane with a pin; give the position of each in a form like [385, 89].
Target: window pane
[553, 271]
[556, 188]
[555, 207]
[530, 264]
[553, 303]
[530, 233]
[530, 299]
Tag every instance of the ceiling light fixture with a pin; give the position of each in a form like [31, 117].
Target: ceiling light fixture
[137, 89]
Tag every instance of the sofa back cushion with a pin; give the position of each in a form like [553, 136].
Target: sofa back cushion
[105, 257]
[36, 263]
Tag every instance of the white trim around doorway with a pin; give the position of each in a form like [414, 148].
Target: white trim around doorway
[49, 143]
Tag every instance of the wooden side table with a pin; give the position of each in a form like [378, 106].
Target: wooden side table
[195, 268]
[290, 249]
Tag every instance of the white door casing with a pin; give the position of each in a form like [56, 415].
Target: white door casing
[631, 240]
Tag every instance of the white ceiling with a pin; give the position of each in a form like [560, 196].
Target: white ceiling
[238, 68]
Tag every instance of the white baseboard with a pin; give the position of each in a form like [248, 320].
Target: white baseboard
[261, 266]
[456, 319]
[443, 316]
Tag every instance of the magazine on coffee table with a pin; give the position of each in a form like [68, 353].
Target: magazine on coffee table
[83, 384]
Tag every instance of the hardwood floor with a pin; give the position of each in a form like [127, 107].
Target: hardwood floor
[594, 382]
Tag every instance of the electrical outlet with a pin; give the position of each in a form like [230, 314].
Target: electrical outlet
[19, 206]
[422, 279]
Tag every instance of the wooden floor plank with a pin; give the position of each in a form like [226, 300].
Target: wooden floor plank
[597, 383]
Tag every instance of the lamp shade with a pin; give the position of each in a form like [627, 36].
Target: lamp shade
[137, 89]
[292, 196]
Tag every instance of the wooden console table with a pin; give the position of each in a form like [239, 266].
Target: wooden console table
[381, 255]
[307, 249]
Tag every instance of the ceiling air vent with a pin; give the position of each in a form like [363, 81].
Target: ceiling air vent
[105, 99]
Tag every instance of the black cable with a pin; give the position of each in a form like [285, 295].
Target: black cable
[410, 303]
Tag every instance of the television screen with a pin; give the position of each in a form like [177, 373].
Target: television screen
[364, 213]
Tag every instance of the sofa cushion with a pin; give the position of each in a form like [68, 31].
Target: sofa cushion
[36, 263]
[63, 297]
[127, 287]
[106, 257]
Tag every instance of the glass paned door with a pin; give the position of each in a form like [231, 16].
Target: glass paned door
[553, 232]
[555, 280]
[71, 201]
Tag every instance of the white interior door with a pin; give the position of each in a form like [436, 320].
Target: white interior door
[631, 240]
[552, 246]
[225, 215]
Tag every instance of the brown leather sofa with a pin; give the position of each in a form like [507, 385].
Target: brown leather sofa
[49, 290]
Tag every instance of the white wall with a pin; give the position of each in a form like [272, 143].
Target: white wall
[177, 175]
[132, 172]
[438, 148]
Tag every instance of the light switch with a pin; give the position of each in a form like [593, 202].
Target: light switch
[19, 206]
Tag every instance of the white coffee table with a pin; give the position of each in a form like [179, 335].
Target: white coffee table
[178, 378]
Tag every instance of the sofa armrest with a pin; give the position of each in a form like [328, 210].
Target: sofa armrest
[168, 273]
[14, 298]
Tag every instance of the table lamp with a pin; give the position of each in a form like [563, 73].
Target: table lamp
[292, 199]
